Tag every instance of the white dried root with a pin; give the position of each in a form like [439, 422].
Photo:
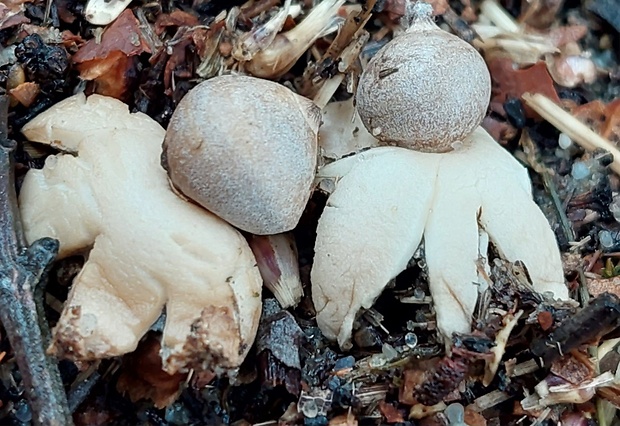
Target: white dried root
[148, 247]
[277, 58]
[387, 199]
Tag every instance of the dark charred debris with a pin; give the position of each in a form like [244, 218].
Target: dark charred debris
[528, 360]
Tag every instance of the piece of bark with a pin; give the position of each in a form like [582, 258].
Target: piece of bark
[595, 320]
[277, 346]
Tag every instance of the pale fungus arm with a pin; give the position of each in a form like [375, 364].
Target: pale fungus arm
[369, 230]
[516, 226]
[150, 247]
[386, 199]
[482, 186]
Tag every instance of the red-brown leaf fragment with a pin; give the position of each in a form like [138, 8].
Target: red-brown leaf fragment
[571, 370]
[112, 75]
[510, 82]
[411, 379]
[611, 127]
[473, 418]
[122, 35]
[177, 18]
[110, 62]
[26, 93]
[603, 119]
[391, 413]
[142, 376]
[545, 320]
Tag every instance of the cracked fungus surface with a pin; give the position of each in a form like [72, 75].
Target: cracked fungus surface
[386, 200]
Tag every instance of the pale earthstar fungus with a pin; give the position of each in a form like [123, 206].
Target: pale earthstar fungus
[146, 247]
[446, 182]
[245, 149]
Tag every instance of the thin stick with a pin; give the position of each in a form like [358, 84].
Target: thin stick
[498, 15]
[327, 90]
[22, 269]
[572, 127]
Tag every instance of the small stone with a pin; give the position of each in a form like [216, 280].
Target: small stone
[411, 340]
[377, 361]
[564, 141]
[343, 363]
[580, 170]
[455, 414]
[177, 415]
[389, 352]
[23, 412]
[418, 293]
[309, 409]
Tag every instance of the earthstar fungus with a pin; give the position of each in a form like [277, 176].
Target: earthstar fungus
[147, 248]
[245, 149]
[446, 183]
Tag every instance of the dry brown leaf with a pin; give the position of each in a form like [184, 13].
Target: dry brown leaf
[177, 18]
[411, 379]
[122, 35]
[473, 418]
[142, 376]
[71, 41]
[603, 119]
[391, 413]
[26, 93]
[591, 114]
[344, 420]
[571, 370]
[513, 83]
[112, 75]
[611, 127]
[110, 62]
[545, 320]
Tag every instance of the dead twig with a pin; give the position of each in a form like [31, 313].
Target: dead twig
[566, 123]
[23, 268]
